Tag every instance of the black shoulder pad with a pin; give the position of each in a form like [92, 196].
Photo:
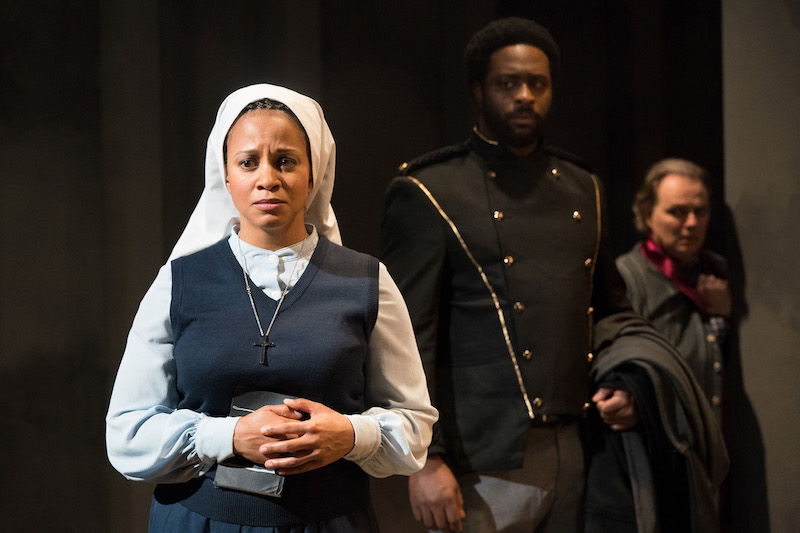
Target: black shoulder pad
[568, 156]
[436, 156]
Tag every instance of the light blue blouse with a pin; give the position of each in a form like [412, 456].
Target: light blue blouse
[148, 439]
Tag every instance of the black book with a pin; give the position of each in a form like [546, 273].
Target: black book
[237, 473]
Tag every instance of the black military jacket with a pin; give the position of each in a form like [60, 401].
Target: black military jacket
[534, 228]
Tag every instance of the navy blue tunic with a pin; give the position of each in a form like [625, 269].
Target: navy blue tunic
[321, 337]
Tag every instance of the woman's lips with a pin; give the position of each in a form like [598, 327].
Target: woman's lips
[267, 205]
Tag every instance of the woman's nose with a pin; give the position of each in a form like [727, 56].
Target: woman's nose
[267, 178]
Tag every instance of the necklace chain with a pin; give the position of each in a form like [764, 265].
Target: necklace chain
[245, 274]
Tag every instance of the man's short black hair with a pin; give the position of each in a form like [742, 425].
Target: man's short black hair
[506, 32]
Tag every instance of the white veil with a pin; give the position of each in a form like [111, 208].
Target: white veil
[215, 215]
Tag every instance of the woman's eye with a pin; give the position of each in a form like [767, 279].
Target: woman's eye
[247, 163]
[286, 163]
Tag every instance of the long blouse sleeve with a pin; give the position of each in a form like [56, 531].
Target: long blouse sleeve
[393, 435]
[149, 439]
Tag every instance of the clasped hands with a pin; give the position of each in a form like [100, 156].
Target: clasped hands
[276, 437]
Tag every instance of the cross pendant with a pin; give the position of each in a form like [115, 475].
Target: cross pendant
[264, 344]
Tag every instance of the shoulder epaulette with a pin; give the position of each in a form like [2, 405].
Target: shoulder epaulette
[436, 156]
[568, 156]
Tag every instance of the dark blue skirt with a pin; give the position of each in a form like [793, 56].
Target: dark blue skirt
[175, 518]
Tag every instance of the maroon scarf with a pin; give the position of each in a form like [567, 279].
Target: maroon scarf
[678, 274]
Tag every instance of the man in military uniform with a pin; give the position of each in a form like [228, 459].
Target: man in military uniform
[498, 246]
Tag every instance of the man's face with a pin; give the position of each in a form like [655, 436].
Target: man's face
[679, 219]
[516, 96]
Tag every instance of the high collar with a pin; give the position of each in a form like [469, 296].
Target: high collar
[496, 152]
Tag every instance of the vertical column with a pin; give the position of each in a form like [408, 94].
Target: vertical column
[761, 51]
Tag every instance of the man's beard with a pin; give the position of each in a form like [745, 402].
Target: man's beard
[516, 137]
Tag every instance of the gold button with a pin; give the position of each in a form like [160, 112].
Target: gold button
[403, 166]
[715, 400]
[527, 354]
[491, 174]
[589, 356]
[519, 307]
[498, 215]
[586, 405]
[717, 367]
[590, 311]
[508, 260]
[555, 172]
[588, 262]
[576, 215]
[537, 402]
[711, 337]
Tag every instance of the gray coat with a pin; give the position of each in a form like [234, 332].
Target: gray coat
[674, 315]
[688, 423]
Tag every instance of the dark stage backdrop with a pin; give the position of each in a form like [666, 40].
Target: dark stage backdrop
[640, 81]
[105, 108]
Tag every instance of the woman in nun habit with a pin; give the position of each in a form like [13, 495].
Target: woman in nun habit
[268, 370]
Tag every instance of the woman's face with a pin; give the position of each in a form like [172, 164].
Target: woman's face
[268, 176]
[679, 219]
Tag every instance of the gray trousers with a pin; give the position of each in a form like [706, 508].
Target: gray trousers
[544, 496]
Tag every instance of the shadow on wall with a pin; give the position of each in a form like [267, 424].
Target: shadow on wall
[747, 499]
